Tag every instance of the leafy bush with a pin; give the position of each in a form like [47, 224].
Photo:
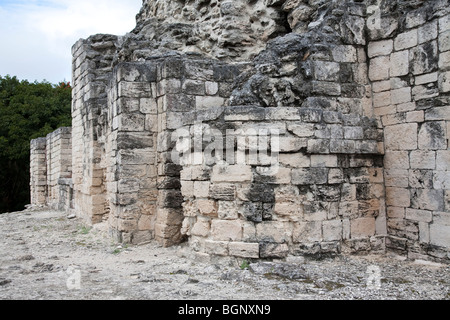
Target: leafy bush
[27, 111]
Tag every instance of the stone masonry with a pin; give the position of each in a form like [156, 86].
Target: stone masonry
[262, 129]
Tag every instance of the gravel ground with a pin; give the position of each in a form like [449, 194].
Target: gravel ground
[46, 256]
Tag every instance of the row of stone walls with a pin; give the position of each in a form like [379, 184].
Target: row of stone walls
[51, 170]
[409, 72]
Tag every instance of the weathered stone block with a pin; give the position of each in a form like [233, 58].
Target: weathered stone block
[332, 230]
[401, 95]
[443, 160]
[244, 250]
[380, 48]
[424, 58]
[219, 248]
[444, 81]
[309, 176]
[226, 230]
[273, 250]
[444, 41]
[274, 231]
[397, 197]
[379, 68]
[427, 199]
[406, 40]
[439, 235]
[423, 159]
[362, 228]
[231, 173]
[419, 215]
[401, 137]
[307, 232]
[432, 136]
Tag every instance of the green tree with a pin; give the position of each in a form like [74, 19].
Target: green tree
[27, 111]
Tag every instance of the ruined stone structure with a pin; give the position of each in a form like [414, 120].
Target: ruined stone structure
[262, 128]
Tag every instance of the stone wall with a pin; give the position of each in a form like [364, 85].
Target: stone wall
[51, 170]
[409, 72]
[265, 128]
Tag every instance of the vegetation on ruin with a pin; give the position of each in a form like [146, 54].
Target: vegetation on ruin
[27, 111]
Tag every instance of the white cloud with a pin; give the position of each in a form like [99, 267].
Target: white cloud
[36, 36]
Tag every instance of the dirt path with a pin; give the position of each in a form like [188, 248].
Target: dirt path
[45, 255]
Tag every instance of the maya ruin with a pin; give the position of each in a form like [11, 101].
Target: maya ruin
[262, 129]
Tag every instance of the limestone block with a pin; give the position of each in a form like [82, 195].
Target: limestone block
[420, 178]
[201, 189]
[443, 160]
[428, 32]
[219, 248]
[335, 176]
[432, 136]
[223, 230]
[401, 137]
[223, 191]
[362, 227]
[444, 81]
[211, 88]
[207, 102]
[444, 61]
[309, 176]
[424, 232]
[438, 113]
[202, 227]
[441, 180]
[342, 146]
[301, 130]
[415, 116]
[274, 231]
[291, 144]
[307, 232]
[207, 207]
[194, 87]
[332, 230]
[444, 41]
[382, 99]
[326, 71]
[353, 133]
[228, 210]
[187, 189]
[397, 197]
[380, 48]
[402, 95]
[406, 40]
[294, 160]
[273, 250]
[419, 215]
[244, 250]
[344, 54]
[427, 199]
[328, 161]
[423, 159]
[379, 68]
[424, 58]
[439, 235]
[396, 160]
[231, 173]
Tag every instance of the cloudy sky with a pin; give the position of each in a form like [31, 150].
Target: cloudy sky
[36, 36]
